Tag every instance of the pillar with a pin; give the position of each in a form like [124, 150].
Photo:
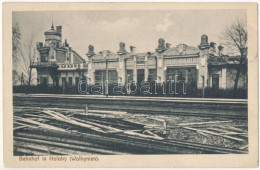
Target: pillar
[121, 71]
[91, 70]
[203, 62]
[122, 53]
[135, 70]
[160, 63]
[224, 78]
[146, 70]
[160, 68]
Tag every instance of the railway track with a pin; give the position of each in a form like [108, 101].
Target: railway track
[115, 144]
[46, 132]
[229, 110]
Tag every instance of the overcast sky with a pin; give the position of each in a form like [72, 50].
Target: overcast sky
[142, 29]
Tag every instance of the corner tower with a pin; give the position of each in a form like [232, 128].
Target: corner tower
[53, 37]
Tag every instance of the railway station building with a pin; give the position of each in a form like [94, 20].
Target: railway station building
[58, 64]
[196, 66]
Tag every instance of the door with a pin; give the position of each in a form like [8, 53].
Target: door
[57, 81]
[63, 84]
[45, 81]
[215, 81]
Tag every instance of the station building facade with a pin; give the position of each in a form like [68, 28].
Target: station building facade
[59, 65]
[196, 66]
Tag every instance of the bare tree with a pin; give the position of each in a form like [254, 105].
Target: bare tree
[27, 57]
[235, 38]
[16, 42]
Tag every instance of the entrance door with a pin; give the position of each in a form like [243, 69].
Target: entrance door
[57, 81]
[45, 81]
[140, 75]
[215, 81]
[63, 84]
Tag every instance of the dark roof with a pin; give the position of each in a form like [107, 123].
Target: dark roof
[52, 31]
[81, 58]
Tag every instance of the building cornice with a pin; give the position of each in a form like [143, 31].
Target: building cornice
[104, 60]
[181, 56]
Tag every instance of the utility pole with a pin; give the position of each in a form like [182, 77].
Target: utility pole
[22, 80]
[128, 84]
[106, 77]
[203, 89]
[105, 55]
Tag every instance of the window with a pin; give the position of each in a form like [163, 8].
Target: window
[44, 58]
[70, 81]
[112, 75]
[140, 75]
[100, 76]
[187, 75]
[45, 81]
[215, 81]
[192, 76]
[152, 75]
[63, 82]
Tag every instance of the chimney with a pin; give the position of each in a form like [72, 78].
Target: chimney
[66, 43]
[59, 29]
[168, 45]
[220, 49]
[212, 48]
[39, 45]
[132, 49]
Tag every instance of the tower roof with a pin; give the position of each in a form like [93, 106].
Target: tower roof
[52, 27]
[52, 31]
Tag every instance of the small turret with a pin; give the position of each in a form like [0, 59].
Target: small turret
[161, 45]
[90, 51]
[122, 50]
[204, 42]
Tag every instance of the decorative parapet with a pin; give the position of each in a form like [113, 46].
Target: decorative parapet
[43, 64]
[72, 66]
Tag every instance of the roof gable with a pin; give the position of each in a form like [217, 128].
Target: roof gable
[181, 49]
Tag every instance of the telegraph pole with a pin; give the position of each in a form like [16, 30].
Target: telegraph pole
[203, 88]
[106, 77]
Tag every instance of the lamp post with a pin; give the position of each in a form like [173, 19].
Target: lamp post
[106, 77]
[203, 92]
[128, 84]
[105, 55]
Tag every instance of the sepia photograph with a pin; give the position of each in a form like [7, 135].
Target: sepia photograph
[87, 83]
[130, 82]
